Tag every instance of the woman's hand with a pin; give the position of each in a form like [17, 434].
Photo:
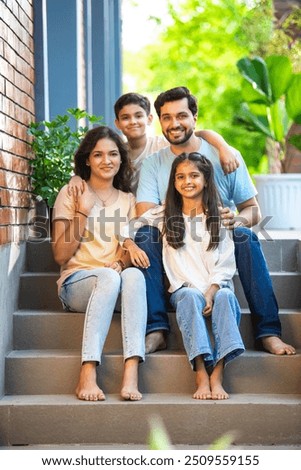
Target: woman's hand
[138, 257]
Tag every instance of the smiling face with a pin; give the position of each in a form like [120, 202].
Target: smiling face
[104, 160]
[177, 121]
[189, 181]
[132, 121]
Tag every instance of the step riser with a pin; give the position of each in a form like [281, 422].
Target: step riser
[64, 331]
[33, 290]
[190, 424]
[164, 374]
[281, 255]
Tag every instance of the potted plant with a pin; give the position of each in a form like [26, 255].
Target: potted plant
[272, 106]
[53, 144]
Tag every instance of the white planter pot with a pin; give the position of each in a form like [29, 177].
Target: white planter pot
[279, 197]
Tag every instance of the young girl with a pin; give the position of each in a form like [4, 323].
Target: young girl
[94, 267]
[198, 257]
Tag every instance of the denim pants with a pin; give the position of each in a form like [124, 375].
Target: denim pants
[96, 292]
[253, 273]
[227, 343]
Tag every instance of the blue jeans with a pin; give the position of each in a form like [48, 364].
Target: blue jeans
[253, 273]
[227, 343]
[96, 292]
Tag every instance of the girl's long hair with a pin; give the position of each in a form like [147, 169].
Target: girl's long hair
[122, 180]
[174, 226]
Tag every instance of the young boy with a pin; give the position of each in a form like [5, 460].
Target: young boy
[133, 117]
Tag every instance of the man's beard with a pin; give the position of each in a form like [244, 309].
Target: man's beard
[181, 141]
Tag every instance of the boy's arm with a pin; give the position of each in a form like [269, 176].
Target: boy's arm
[75, 186]
[227, 158]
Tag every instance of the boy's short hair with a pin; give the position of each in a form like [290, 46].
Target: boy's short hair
[132, 98]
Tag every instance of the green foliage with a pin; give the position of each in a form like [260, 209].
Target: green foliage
[272, 98]
[199, 49]
[53, 144]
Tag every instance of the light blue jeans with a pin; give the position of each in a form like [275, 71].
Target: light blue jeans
[189, 304]
[96, 292]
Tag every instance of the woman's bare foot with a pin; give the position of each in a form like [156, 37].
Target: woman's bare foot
[203, 391]
[216, 380]
[129, 388]
[87, 388]
[275, 345]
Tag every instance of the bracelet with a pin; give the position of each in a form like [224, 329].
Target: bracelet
[82, 213]
[121, 263]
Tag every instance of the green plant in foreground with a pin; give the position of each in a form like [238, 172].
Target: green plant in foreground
[53, 144]
[158, 438]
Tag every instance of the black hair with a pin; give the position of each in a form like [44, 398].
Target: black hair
[132, 98]
[122, 179]
[175, 94]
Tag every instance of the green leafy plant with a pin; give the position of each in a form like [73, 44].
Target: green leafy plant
[53, 144]
[272, 105]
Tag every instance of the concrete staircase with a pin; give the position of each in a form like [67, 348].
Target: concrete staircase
[40, 408]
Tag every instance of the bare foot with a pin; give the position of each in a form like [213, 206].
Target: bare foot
[129, 388]
[87, 388]
[216, 380]
[275, 345]
[203, 391]
[218, 392]
[155, 341]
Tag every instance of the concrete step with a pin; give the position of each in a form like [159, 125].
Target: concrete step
[39, 290]
[56, 372]
[281, 255]
[43, 329]
[62, 419]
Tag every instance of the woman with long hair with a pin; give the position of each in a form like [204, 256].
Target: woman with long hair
[95, 269]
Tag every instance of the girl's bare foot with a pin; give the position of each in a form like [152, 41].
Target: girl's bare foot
[203, 391]
[275, 345]
[218, 392]
[129, 388]
[87, 388]
[216, 380]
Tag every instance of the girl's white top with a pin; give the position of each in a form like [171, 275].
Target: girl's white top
[192, 265]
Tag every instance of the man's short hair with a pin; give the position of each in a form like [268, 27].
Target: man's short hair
[175, 94]
[132, 98]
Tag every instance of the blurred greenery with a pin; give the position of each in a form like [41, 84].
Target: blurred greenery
[199, 47]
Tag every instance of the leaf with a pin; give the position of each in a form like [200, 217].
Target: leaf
[158, 438]
[280, 72]
[223, 442]
[295, 140]
[253, 122]
[293, 98]
[256, 73]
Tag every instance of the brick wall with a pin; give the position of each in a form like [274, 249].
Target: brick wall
[16, 111]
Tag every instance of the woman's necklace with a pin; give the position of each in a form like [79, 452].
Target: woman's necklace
[103, 201]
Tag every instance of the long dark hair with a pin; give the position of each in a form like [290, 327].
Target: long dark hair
[122, 179]
[174, 227]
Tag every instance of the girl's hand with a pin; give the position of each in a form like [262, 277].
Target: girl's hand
[75, 187]
[208, 307]
[209, 296]
[228, 160]
[115, 265]
[138, 257]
